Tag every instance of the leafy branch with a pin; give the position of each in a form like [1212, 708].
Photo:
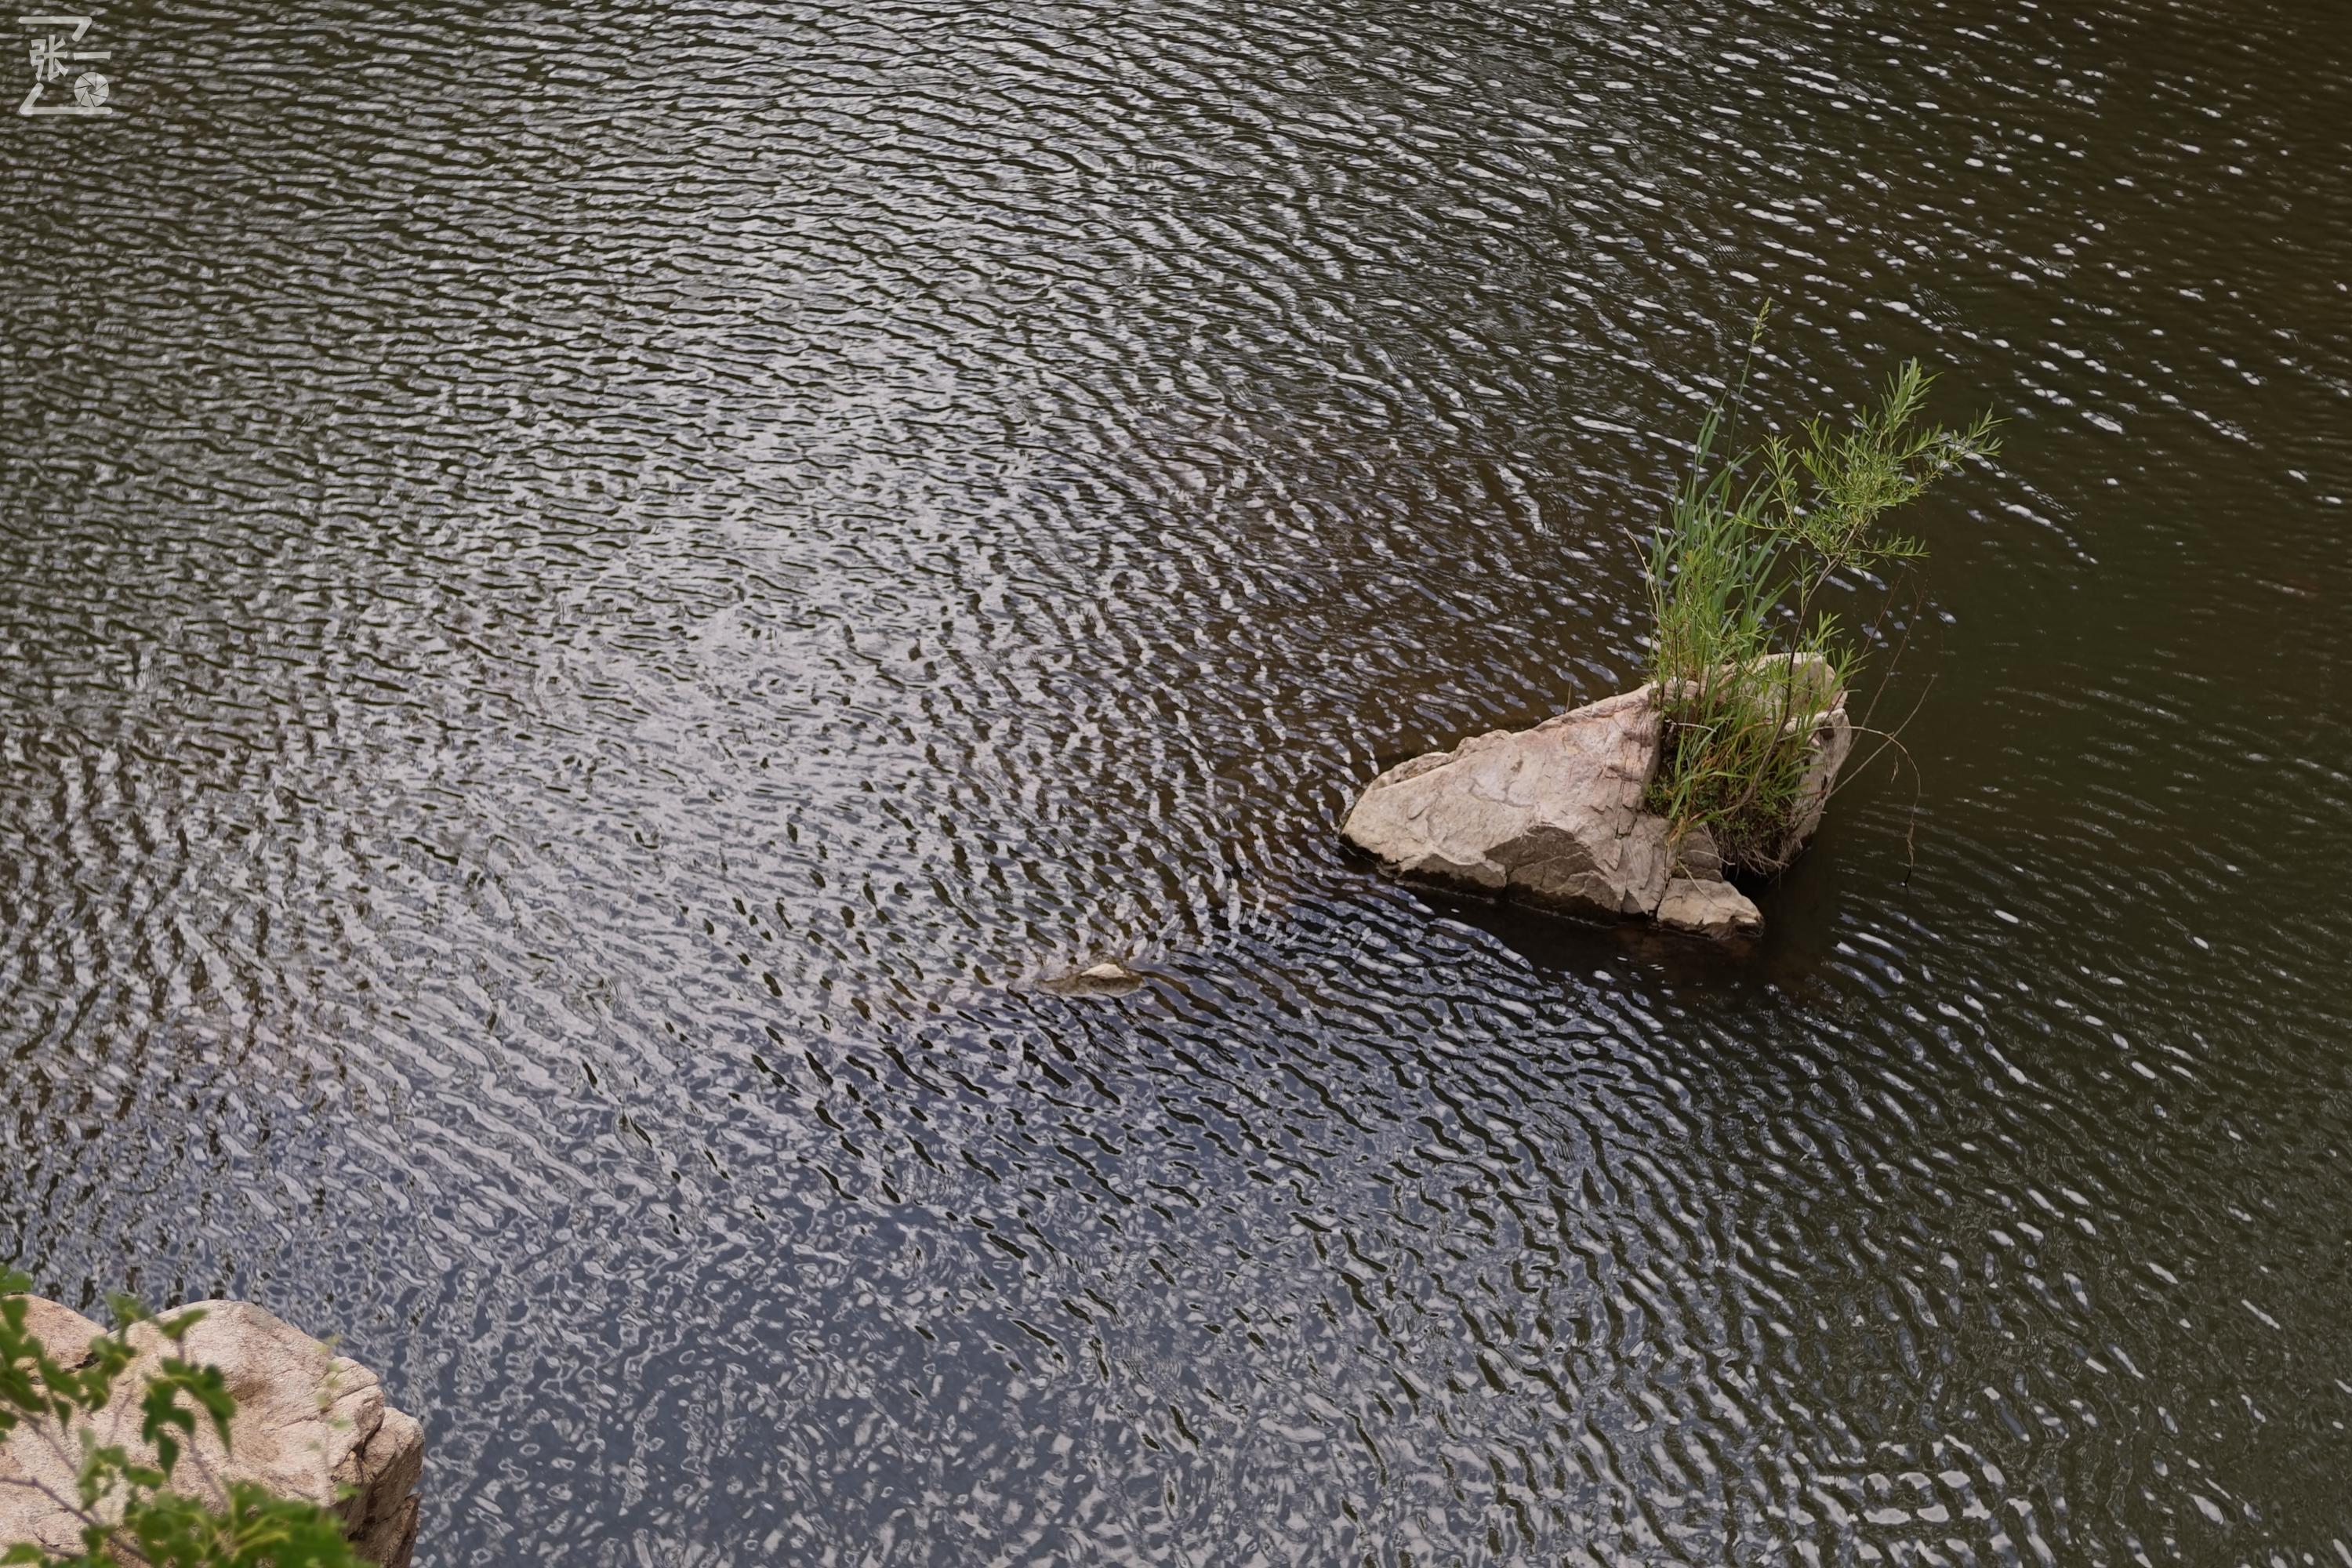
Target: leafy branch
[1746, 662]
[142, 1505]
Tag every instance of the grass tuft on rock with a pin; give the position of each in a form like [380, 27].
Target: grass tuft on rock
[1745, 660]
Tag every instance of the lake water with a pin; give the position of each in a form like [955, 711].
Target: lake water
[592, 596]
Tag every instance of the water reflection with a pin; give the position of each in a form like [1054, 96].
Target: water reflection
[592, 602]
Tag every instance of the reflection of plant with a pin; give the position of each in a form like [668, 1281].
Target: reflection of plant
[139, 1507]
[1743, 660]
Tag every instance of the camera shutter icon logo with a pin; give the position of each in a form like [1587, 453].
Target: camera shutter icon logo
[53, 55]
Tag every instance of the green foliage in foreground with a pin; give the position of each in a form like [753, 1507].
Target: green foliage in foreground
[128, 1509]
[1734, 576]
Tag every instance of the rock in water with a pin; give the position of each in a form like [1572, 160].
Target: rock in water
[1552, 817]
[1108, 978]
[308, 1423]
[1708, 907]
[1832, 743]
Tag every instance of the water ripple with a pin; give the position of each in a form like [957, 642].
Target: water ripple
[591, 600]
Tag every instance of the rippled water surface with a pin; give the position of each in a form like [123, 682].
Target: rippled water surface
[591, 597]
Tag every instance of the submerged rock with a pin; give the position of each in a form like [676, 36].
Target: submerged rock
[1108, 978]
[309, 1423]
[1552, 817]
[1706, 907]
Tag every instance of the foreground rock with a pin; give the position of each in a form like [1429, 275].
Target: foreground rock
[308, 1423]
[1552, 817]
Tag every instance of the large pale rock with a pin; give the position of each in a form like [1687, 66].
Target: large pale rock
[1552, 816]
[308, 1423]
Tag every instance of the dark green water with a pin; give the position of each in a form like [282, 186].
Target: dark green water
[590, 596]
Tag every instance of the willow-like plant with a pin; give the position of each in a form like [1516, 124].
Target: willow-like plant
[140, 1506]
[1745, 660]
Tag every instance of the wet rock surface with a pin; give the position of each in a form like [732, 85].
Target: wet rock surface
[1106, 978]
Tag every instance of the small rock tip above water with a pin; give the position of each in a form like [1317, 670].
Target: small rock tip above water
[1108, 977]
